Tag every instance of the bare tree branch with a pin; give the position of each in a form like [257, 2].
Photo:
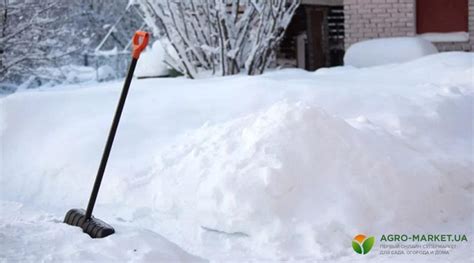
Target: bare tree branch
[221, 35]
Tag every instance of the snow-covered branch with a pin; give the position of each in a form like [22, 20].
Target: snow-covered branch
[224, 36]
[38, 34]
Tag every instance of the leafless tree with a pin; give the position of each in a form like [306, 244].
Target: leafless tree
[37, 37]
[25, 32]
[224, 36]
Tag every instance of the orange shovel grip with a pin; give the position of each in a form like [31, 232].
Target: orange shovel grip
[138, 46]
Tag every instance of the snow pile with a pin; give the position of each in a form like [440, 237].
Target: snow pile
[295, 165]
[105, 72]
[387, 51]
[151, 62]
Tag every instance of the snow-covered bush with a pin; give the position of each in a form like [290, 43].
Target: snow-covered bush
[224, 36]
[39, 39]
[28, 37]
[151, 63]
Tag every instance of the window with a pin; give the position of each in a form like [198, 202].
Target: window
[441, 16]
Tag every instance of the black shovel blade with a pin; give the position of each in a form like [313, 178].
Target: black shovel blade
[94, 227]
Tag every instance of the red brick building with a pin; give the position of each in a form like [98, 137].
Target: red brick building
[449, 24]
[322, 30]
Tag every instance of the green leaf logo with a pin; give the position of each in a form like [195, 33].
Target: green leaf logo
[357, 248]
[368, 244]
[362, 245]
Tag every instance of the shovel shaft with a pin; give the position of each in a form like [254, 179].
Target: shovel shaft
[110, 139]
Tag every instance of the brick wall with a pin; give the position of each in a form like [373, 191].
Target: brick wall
[368, 19]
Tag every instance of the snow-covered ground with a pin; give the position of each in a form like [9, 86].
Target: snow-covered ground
[290, 165]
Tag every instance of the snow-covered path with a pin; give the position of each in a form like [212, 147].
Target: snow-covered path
[288, 165]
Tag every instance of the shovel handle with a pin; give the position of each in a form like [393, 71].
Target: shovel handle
[140, 41]
[138, 47]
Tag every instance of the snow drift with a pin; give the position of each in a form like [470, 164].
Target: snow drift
[382, 51]
[32, 235]
[289, 165]
[295, 165]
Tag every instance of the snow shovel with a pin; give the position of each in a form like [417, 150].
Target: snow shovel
[94, 227]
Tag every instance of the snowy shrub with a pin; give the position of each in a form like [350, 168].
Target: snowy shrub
[151, 63]
[39, 38]
[28, 37]
[223, 36]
